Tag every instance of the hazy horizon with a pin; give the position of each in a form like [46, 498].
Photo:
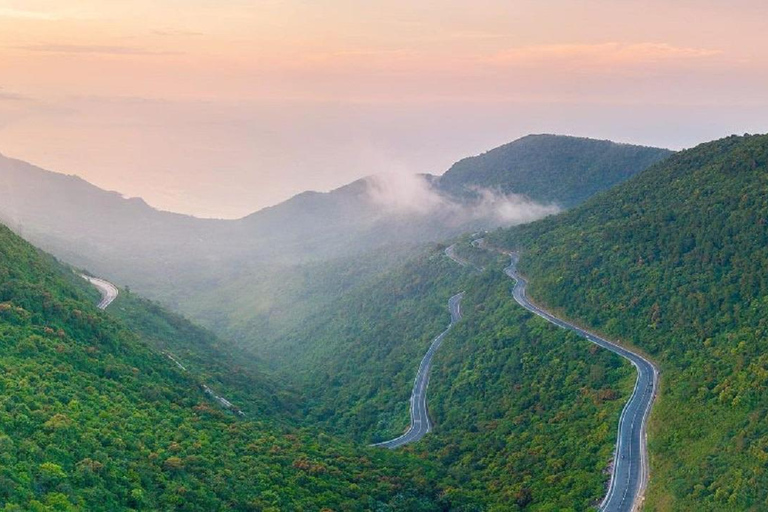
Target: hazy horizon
[219, 110]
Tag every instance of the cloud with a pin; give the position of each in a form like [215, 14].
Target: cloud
[8, 12]
[414, 195]
[92, 49]
[508, 209]
[177, 33]
[611, 53]
[10, 96]
[404, 193]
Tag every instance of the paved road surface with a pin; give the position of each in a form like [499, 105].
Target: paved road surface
[109, 293]
[450, 251]
[107, 289]
[630, 470]
[420, 424]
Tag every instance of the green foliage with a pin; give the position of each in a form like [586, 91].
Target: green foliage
[551, 168]
[92, 418]
[209, 360]
[675, 261]
[525, 413]
[357, 358]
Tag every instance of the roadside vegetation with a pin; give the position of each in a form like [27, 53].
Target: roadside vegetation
[675, 262]
[92, 418]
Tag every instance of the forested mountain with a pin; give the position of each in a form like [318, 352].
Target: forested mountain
[524, 413]
[346, 325]
[252, 278]
[675, 262]
[551, 168]
[93, 418]
[135, 244]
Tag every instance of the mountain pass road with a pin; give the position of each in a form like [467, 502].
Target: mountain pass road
[107, 289]
[420, 423]
[630, 469]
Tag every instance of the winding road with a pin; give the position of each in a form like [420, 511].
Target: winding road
[420, 424]
[450, 251]
[108, 290]
[109, 293]
[630, 470]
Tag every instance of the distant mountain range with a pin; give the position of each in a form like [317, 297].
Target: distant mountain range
[133, 243]
[673, 261]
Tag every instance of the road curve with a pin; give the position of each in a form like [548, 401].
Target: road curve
[420, 423]
[450, 251]
[630, 470]
[108, 290]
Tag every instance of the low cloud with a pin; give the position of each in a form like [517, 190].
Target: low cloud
[92, 49]
[610, 53]
[509, 209]
[10, 96]
[25, 14]
[402, 193]
[415, 195]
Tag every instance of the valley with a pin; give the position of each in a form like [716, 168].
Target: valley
[383, 256]
[525, 409]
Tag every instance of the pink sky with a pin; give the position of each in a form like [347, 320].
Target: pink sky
[221, 108]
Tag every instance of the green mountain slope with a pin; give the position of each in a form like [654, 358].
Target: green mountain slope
[524, 413]
[91, 418]
[172, 257]
[357, 358]
[551, 168]
[675, 261]
[211, 361]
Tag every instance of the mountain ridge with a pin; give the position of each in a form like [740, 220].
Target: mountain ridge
[674, 261]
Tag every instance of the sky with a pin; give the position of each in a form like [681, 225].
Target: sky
[220, 108]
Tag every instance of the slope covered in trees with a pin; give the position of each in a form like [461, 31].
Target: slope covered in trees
[524, 413]
[551, 168]
[247, 278]
[91, 418]
[675, 262]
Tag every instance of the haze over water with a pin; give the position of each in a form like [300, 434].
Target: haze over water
[221, 108]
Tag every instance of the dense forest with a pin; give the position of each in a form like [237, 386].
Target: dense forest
[96, 416]
[108, 410]
[675, 262]
[524, 413]
[551, 168]
[357, 358]
[93, 418]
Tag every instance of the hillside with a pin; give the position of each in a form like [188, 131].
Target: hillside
[675, 262]
[91, 418]
[551, 168]
[135, 244]
[523, 412]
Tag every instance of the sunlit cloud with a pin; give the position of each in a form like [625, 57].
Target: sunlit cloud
[177, 33]
[7, 12]
[10, 96]
[611, 53]
[413, 194]
[92, 49]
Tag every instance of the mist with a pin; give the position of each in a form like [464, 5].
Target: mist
[419, 195]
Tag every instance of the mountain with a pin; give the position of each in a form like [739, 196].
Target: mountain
[551, 168]
[138, 245]
[92, 417]
[675, 262]
[523, 413]
[251, 279]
